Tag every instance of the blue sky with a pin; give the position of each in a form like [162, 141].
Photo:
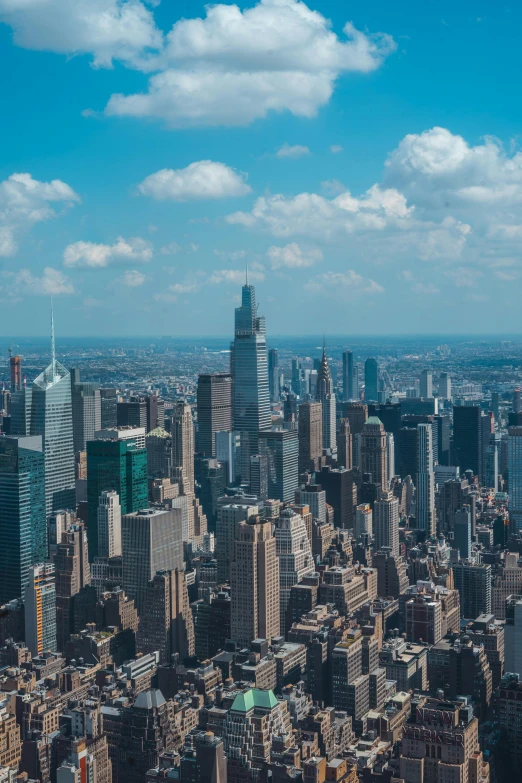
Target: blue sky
[370, 175]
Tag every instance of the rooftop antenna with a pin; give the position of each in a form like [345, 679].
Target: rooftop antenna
[246, 273]
[53, 349]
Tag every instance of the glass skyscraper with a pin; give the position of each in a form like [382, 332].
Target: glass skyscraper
[250, 373]
[371, 380]
[23, 522]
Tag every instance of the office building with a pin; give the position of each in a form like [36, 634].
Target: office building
[214, 409]
[229, 515]
[40, 609]
[374, 452]
[86, 410]
[345, 445]
[371, 380]
[386, 523]
[159, 445]
[151, 541]
[340, 492]
[473, 581]
[254, 582]
[116, 462]
[392, 573]
[445, 386]
[425, 481]
[326, 396]
[23, 521]
[509, 711]
[310, 431]
[109, 524]
[313, 496]
[204, 759]
[363, 520]
[459, 665]
[250, 373]
[426, 384]
[72, 573]
[348, 388]
[467, 437]
[462, 532]
[182, 431]
[109, 408]
[281, 449]
[428, 612]
[515, 477]
[295, 557]
[274, 383]
[166, 624]
[155, 412]
[132, 413]
[228, 452]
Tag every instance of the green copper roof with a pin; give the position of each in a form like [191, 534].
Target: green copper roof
[373, 420]
[244, 702]
[159, 432]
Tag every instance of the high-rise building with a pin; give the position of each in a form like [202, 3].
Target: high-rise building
[445, 386]
[425, 481]
[46, 409]
[473, 581]
[467, 437]
[426, 384]
[166, 624]
[250, 373]
[462, 532]
[40, 609]
[273, 375]
[386, 523]
[281, 448]
[23, 521]
[341, 493]
[390, 455]
[313, 496]
[155, 412]
[345, 445]
[348, 391]
[115, 461]
[204, 760]
[132, 413]
[371, 380]
[182, 431]
[326, 396]
[109, 410]
[374, 452]
[109, 524]
[151, 541]
[363, 520]
[229, 516]
[254, 581]
[228, 451]
[214, 408]
[295, 557]
[515, 477]
[86, 410]
[310, 430]
[72, 572]
[15, 371]
[158, 443]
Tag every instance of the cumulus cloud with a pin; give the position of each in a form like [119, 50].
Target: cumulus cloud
[51, 283]
[132, 278]
[234, 66]
[344, 284]
[204, 179]
[25, 201]
[295, 151]
[91, 254]
[107, 30]
[292, 256]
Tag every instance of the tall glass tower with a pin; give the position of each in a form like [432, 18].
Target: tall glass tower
[250, 373]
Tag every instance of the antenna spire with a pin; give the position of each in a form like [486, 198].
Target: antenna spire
[53, 348]
[246, 273]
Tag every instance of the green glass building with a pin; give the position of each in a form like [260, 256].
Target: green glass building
[23, 522]
[117, 463]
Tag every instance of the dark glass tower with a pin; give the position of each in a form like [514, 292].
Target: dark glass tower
[273, 374]
[467, 437]
[214, 405]
[348, 376]
[371, 380]
[23, 522]
[250, 372]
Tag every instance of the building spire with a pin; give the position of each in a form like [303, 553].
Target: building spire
[53, 348]
[246, 273]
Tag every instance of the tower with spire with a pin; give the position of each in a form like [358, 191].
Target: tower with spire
[326, 396]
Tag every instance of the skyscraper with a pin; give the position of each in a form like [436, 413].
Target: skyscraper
[426, 384]
[46, 410]
[254, 581]
[132, 413]
[250, 373]
[109, 524]
[158, 443]
[425, 480]
[214, 408]
[326, 397]
[40, 609]
[151, 542]
[182, 431]
[371, 378]
[374, 452]
[86, 410]
[72, 572]
[348, 391]
[386, 523]
[515, 477]
[310, 430]
[23, 521]
[109, 408]
[344, 445]
[295, 557]
[273, 375]
[445, 386]
[166, 624]
[281, 448]
[467, 437]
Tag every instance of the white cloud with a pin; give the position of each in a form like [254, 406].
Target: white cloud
[425, 288]
[91, 254]
[463, 277]
[25, 201]
[335, 149]
[237, 276]
[204, 179]
[297, 151]
[171, 249]
[344, 284]
[234, 66]
[52, 282]
[132, 278]
[188, 287]
[292, 256]
[108, 30]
